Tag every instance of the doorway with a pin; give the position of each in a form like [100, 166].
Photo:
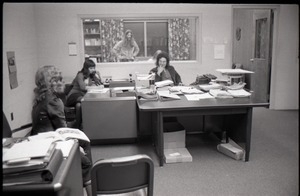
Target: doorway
[252, 48]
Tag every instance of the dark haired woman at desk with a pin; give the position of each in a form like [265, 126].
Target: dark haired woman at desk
[48, 113]
[87, 76]
[165, 71]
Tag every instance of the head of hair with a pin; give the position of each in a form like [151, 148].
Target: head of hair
[86, 65]
[46, 80]
[127, 42]
[156, 53]
[165, 55]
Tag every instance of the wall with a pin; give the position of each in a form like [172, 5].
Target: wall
[19, 35]
[285, 70]
[59, 24]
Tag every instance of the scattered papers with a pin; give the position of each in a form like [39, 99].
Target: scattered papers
[65, 147]
[197, 97]
[145, 76]
[167, 94]
[207, 87]
[217, 93]
[236, 86]
[185, 90]
[28, 149]
[234, 71]
[61, 134]
[125, 88]
[239, 93]
[95, 90]
[163, 83]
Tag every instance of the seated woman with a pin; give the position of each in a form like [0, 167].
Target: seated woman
[87, 76]
[48, 113]
[165, 71]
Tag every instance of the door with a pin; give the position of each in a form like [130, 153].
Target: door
[252, 48]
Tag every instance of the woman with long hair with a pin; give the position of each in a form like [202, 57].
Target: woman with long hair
[87, 76]
[165, 71]
[126, 49]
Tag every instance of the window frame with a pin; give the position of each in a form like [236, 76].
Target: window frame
[145, 16]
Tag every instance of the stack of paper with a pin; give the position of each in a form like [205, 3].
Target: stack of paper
[167, 94]
[217, 93]
[207, 87]
[163, 83]
[197, 97]
[239, 93]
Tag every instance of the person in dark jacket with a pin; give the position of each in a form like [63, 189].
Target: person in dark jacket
[48, 113]
[165, 71]
[87, 76]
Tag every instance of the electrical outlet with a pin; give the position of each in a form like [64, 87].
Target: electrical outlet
[12, 116]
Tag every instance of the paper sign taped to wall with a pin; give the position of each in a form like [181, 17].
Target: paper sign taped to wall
[219, 51]
[12, 69]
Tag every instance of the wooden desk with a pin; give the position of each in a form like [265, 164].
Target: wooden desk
[68, 180]
[236, 117]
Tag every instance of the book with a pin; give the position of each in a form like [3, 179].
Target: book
[61, 134]
[27, 150]
[28, 163]
[44, 175]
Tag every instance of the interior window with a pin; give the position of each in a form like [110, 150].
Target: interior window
[177, 36]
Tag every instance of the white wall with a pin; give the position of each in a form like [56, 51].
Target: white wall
[59, 24]
[285, 70]
[19, 35]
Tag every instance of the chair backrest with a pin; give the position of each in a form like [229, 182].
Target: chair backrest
[6, 131]
[122, 175]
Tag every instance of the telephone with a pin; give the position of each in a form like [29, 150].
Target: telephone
[203, 79]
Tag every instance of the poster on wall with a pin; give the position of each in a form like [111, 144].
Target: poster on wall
[12, 69]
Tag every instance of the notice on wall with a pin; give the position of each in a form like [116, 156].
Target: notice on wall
[72, 49]
[12, 69]
[219, 51]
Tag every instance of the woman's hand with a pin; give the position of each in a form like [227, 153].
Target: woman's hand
[160, 70]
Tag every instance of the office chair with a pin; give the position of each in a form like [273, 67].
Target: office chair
[6, 130]
[73, 114]
[123, 175]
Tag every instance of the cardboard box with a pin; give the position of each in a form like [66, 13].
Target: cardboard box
[231, 151]
[174, 135]
[174, 139]
[177, 155]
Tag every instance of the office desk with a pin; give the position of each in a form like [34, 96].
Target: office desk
[236, 114]
[108, 119]
[68, 180]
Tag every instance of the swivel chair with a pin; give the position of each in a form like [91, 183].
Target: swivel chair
[123, 175]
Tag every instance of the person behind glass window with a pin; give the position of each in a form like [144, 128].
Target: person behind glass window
[165, 71]
[87, 76]
[153, 59]
[126, 49]
[48, 113]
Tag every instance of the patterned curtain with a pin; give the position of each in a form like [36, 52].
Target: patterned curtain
[179, 39]
[111, 31]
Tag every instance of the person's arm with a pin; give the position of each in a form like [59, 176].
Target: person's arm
[55, 108]
[136, 49]
[80, 82]
[178, 78]
[116, 49]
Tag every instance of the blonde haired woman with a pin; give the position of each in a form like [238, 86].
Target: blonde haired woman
[48, 113]
[48, 109]
[126, 49]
